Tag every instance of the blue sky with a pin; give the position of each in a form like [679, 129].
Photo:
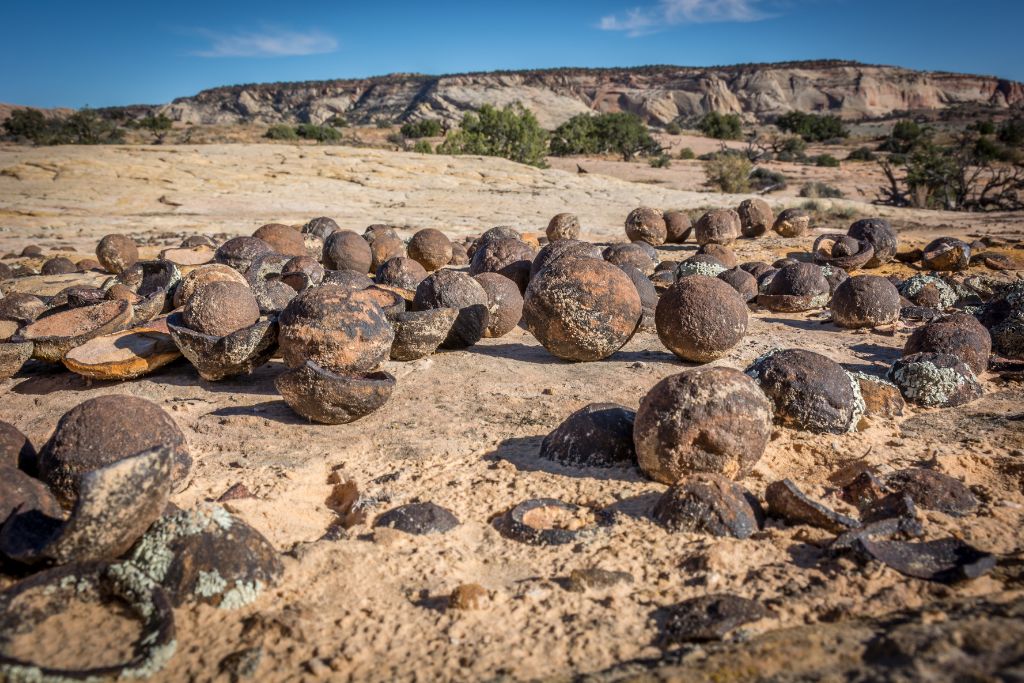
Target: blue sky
[110, 53]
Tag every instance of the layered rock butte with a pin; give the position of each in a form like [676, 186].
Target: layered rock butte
[659, 94]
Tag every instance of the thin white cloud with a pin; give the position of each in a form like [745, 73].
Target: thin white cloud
[641, 21]
[267, 43]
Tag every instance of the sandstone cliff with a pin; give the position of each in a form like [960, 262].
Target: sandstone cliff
[659, 94]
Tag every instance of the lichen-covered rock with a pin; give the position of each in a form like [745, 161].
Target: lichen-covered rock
[710, 504]
[881, 398]
[582, 309]
[646, 224]
[929, 291]
[419, 333]
[959, 334]
[700, 264]
[809, 391]
[711, 419]
[563, 226]
[720, 252]
[596, 435]
[340, 330]
[1003, 315]
[935, 380]
[700, 318]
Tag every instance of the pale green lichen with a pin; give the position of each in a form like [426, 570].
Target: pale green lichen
[754, 369]
[210, 584]
[859, 406]
[156, 660]
[243, 593]
[699, 268]
[928, 385]
[913, 286]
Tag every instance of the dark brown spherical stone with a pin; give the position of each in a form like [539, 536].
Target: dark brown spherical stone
[935, 380]
[700, 318]
[105, 430]
[21, 307]
[1003, 315]
[756, 268]
[845, 246]
[647, 225]
[329, 398]
[16, 450]
[220, 308]
[418, 519]
[865, 301]
[240, 252]
[796, 287]
[644, 286]
[946, 253]
[322, 227]
[504, 303]
[678, 226]
[509, 257]
[563, 226]
[582, 309]
[283, 239]
[718, 226]
[756, 217]
[810, 391]
[460, 257]
[203, 276]
[553, 251]
[722, 254]
[430, 248]
[84, 265]
[346, 250]
[500, 232]
[401, 272]
[880, 234]
[302, 271]
[385, 247]
[347, 279]
[378, 230]
[341, 330]
[117, 252]
[454, 289]
[792, 223]
[32, 251]
[710, 504]
[933, 490]
[959, 334]
[629, 254]
[59, 265]
[743, 282]
[596, 435]
[711, 419]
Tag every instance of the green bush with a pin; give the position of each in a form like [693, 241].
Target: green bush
[686, 153]
[818, 190]
[905, 136]
[84, 127]
[721, 126]
[764, 180]
[422, 147]
[511, 132]
[728, 173]
[622, 133]
[985, 127]
[27, 125]
[660, 161]
[812, 205]
[155, 124]
[382, 123]
[281, 132]
[673, 128]
[826, 160]
[1011, 132]
[311, 131]
[812, 127]
[791, 148]
[424, 128]
[337, 121]
[861, 154]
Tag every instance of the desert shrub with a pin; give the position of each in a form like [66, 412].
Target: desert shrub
[424, 128]
[790, 148]
[721, 126]
[27, 125]
[281, 131]
[622, 133]
[987, 149]
[904, 136]
[818, 190]
[311, 131]
[1011, 132]
[686, 154]
[511, 132]
[723, 152]
[728, 173]
[812, 205]
[337, 121]
[826, 160]
[673, 128]
[382, 123]
[987, 127]
[396, 138]
[155, 124]
[812, 127]
[861, 154]
[660, 161]
[764, 180]
[845, 213]
[422, 147]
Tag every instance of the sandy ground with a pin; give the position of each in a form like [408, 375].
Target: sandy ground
[463, 430]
